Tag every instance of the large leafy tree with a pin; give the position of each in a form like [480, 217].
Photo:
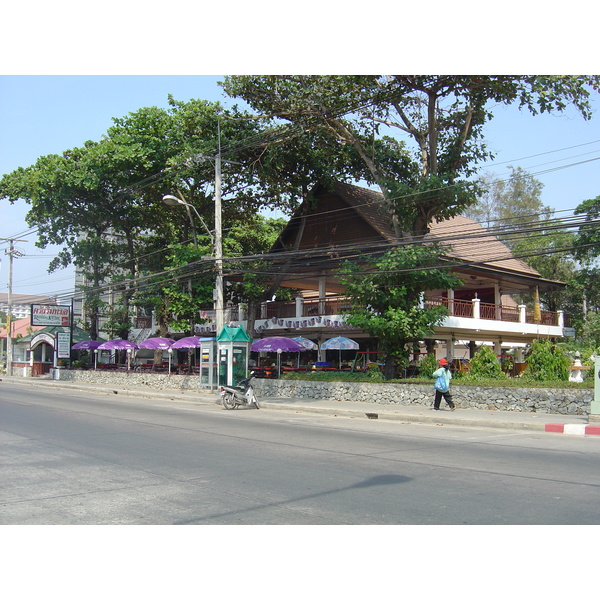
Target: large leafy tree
[513, 210]
[443, 116]
[77, 200]
[510, 206]
[587, 250]
[386, 294]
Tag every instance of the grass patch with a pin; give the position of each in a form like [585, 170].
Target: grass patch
[457, 381]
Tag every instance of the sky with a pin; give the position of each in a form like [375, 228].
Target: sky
[47, 114]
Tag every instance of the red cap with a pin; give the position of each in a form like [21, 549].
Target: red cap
[442, 361]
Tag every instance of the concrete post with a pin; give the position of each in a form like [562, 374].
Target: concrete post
[476, 308]
[595, 404]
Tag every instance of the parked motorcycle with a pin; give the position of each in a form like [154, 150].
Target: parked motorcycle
[241, 394]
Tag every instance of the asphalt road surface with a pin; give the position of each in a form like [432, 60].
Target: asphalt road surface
[69, 457]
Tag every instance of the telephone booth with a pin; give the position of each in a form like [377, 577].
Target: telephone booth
[233, 344]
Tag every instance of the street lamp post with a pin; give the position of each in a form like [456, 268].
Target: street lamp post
[216, 239]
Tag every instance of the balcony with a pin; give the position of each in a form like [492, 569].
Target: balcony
[476, 309]
[472, 319]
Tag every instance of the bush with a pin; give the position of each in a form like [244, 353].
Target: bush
[546, 362]
[373, 372]
[427, 366]
[485, 365]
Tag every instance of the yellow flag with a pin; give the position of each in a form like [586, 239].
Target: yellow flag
[537, 312]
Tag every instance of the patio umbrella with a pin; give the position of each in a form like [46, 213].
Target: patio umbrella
[193, 341]
[273, 344]
[308, 344]
[277, 344]
[119, 345]
[157, 343]
[86, 345]
[339, 343]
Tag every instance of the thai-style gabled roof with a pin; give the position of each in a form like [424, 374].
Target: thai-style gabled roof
[468, 240]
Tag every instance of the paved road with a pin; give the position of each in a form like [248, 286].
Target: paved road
[70, 457]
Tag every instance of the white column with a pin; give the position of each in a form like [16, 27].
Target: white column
[476, 308]
[522, 313]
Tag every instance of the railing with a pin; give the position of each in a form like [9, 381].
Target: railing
[281, 310]
[328, 306]
[492, 312]
[547, 317]
[456, 308]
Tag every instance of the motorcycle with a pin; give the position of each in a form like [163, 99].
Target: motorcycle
[239, 395]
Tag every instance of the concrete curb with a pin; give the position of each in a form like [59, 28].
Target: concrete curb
[573, 429]
[437, 420]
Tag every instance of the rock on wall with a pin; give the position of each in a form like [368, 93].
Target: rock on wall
[544, 400]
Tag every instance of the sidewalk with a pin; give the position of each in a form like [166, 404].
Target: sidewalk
[552, 423]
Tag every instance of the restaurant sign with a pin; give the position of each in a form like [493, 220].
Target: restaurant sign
[48, 316]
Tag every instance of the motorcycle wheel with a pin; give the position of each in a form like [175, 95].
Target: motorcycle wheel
[228, 401]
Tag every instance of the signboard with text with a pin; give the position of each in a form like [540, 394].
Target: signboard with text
[63, 345]
[47, 316]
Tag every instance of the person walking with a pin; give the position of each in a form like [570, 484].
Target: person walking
[442, 385]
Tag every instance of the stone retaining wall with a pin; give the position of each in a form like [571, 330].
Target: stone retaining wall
[159, 381]
[571, 401]
[543, 400]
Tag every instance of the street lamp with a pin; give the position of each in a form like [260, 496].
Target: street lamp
[216, 239]
[174, 201]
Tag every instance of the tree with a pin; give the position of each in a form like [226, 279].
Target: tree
[510, 206]
[385, 297]
[546, 362]
[443, 116]
[513, 210]
[588, 237]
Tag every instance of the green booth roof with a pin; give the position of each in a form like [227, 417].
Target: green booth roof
[233, 334]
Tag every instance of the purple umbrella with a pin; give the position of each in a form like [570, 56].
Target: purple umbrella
[273, 344]
[157, 343]
[86, 345]
[117, 345]
[193, 341]
[277, 344]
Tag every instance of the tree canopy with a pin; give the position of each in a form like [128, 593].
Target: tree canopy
[386, 293]
[442, 116]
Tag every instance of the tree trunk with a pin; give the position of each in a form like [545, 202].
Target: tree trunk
[389, 369]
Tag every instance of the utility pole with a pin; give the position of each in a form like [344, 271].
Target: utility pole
[219, 308]
[11, 254]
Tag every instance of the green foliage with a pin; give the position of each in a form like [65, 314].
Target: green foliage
[82, 363]
[118, 322]
[427, 366]
[591, 329]
[485, 365]
[588, 238]
[358, 377]
[385, 295]
[441, 116]
[373, 372]
[546, 362]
